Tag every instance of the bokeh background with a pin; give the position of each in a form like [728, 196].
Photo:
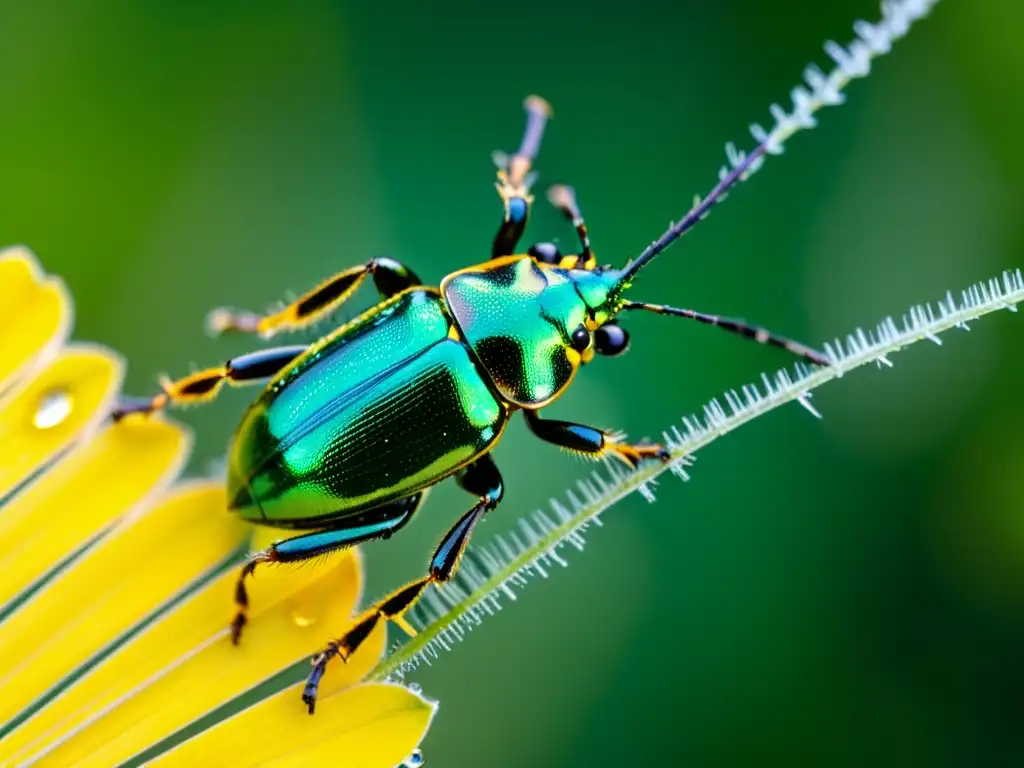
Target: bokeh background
[844, 592]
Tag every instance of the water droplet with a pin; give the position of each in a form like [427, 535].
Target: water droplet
[54, 408]
[415, 687]
[303, 612]
[415, 760]
[302, 620]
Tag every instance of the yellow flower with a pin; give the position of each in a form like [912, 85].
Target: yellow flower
[118, 580]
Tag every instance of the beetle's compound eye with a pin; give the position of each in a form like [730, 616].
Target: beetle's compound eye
[611, 340]
[545, 253]
[580, 338]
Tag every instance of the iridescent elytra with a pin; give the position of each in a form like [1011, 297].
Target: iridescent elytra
[350, 432]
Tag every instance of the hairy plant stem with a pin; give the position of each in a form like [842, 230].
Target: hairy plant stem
[496, 570]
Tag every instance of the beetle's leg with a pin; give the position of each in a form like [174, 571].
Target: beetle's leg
[592, 442]
[564, 199]
[760, 335]
[389, 276]
[377, 523]
[515, 176]
[481, 478]
[203, 386]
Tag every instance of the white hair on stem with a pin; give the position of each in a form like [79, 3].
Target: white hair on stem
[495, 571]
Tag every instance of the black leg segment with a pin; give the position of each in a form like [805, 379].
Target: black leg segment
[378, 523]
[389, 277]
[480, 478]
[564, 199]
[590, 441]
[515, 177]
[565, 434]
[203, 386]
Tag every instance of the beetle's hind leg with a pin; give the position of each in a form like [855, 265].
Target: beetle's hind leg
[590, 441]
[515, 177]
[389, 277]
[377, 523]
[203, 386]
[480, 478]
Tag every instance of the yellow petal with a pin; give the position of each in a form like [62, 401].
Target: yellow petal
[62, 404]
[369, 726]
[35, 315]
[123, 468]
[201, 619]
[123, 579]
[294, 611]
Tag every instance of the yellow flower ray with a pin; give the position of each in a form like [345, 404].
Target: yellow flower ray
[183, 630]
[35, 315]
[61, 406]
[293, 612]
[80, 512]
[122, 469]
[369, 726]
[138, 567]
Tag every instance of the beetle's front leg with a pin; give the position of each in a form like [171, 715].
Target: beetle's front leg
[389, 277]
[480, 478]
[515, 176]
[203, 386]
[563, 197]
[589, 441]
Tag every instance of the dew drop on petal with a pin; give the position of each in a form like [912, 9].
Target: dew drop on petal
[415, 688]
[415, 760]
[302, 613]
[54, 408]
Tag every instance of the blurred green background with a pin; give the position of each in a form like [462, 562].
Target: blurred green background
[844, 592]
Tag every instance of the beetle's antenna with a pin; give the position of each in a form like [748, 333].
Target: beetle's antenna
[747, 331]
[819, 90]
[701, 209]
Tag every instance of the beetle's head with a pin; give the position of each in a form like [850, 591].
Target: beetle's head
[604, 289]
[601, 290]
[532, 324]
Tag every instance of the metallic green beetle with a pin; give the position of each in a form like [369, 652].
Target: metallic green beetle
[351, 432]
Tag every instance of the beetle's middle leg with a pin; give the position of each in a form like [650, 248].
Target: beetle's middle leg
[389, 276]
[480, 478]
[590, 441]
[203, 386]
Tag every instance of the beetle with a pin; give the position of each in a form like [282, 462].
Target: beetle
[350, 432]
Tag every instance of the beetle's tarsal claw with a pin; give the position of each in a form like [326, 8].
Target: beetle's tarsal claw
[312, 686]
[634, 455]
[128, 405]
[309, 696]
[225, 320]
